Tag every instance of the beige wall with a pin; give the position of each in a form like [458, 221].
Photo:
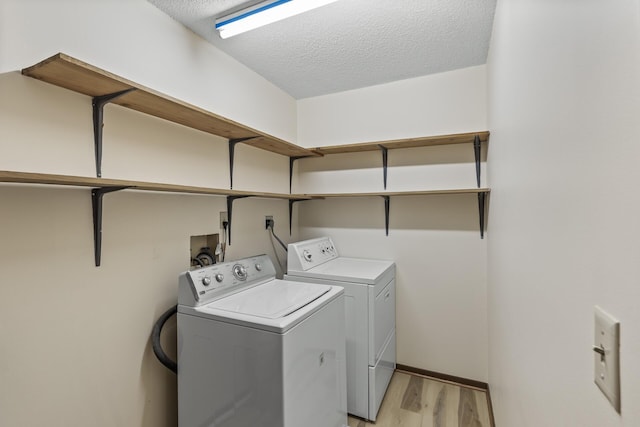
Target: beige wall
[564, 104]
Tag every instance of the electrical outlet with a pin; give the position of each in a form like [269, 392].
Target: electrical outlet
[607, 356]
[268, 219]
[224, 217]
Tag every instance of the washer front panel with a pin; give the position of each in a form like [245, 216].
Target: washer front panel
[203, 285]
[310, 253]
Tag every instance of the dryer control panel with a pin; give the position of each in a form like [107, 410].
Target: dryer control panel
[203, 285]
[302, 256]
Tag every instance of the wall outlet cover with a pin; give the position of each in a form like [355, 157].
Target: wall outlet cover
[224, 217]
[607, 356]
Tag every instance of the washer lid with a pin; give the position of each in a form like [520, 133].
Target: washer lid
[272, 300]
[343, 269]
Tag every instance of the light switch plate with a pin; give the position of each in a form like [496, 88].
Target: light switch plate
[607, 365]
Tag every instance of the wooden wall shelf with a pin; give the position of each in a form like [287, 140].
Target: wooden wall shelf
[460, 138]
[401, 193]
[80, 181]
[100, 187]
[386, 195]
[104, 87]
[475, 138]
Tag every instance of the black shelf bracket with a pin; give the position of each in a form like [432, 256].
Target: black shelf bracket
[230, 200]
[481, 211]
[477, 145]
[292, 159]
[291, 202]
[386, 214]
[232, 154]
[98, 104]
[385, 156]
[96, 203]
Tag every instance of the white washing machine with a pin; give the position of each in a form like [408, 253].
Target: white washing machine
[257, 351]
[370, 307]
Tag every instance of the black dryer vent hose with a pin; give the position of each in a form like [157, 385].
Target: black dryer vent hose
[155, 340]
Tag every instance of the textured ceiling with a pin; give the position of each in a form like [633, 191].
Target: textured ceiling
[350, 44]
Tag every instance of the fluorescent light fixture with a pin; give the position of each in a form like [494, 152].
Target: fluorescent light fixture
[264, 13]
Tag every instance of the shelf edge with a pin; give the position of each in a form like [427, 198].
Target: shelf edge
[427, 141]
[30, 178]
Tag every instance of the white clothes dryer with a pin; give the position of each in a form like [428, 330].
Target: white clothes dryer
[370, 309]
[257, 351]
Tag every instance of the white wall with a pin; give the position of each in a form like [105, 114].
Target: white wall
[438, 104]
[564, 102]
[435, 240]
[74, 347]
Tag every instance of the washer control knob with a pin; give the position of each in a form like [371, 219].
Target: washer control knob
[307, 255]
[219, 277]
[240, 272]
[259, 267]
[206, 280]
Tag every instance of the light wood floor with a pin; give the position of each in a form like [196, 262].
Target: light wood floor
[415, 401]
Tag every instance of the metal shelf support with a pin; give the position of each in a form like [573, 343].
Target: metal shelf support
[96, 203]
[477, 146]
[386, 214]
[230, 200]
[98, 104]
[291, 202]
[481, 211]
[232, 153]
[385, 156]
[292, 159]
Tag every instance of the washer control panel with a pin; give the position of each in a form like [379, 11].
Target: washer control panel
[310, 253]
[196, 287]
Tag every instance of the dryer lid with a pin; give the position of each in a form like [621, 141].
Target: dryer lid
[272, 300]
